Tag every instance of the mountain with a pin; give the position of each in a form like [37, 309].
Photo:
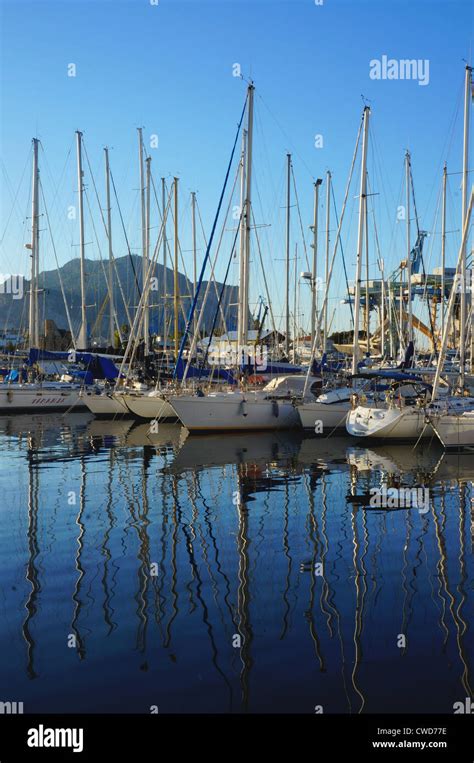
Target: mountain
[14, 312]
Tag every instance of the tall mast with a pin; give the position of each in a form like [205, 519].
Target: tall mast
[408, 268]
[141, 170]
[176, 282]
[314, 292]
[452, 297]
[287, 301]
[465, 170]
[248, 209]
[111, 256]
[146, 261]
[193, 221]
[382, 308]
[360, 237]
[295, 306]
[165, 273]
[443, 246]
[34, 246]
[242, 314]
[82, 337]
[367, 295]
[326, 270]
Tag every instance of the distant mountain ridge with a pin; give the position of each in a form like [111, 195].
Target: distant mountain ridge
[14, 312]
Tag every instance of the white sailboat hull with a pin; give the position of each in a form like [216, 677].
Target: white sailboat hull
[388, 423]
[104, 403]
[149, 406]
[234, 411]
[36, 397]
[328, 412]
[455, 431]
[323, 418]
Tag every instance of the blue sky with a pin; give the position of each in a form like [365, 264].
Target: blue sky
[168, 67]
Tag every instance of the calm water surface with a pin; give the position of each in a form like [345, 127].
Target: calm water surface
[229, 574]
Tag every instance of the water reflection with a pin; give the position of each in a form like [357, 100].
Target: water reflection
[244, 573]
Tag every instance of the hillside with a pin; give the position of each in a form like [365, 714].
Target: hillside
[14, 312]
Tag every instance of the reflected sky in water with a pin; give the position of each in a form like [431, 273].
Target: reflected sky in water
[244, 573]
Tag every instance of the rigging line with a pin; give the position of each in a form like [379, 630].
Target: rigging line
[181, 217]
[342, 252]
[378, 164]
[285, 135]
[424, 296]
[432, 235]
[126, 238]
[206, 257]
[433, 337]
[57, 185]
[101, 259]
[212, 277]
[10, 188]
[414, 199]
[213, 263]
[275, 219]
[95, 188]
[24, 231]
[63, 293]
[448, 141]
[109, 285]
[137, 327]
[224, 322]
[339, 226]
[232, 251]
[264, 276]
[422, 260]
[299, 217]
[57, 188]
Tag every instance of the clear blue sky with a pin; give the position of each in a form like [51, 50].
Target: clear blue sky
[168, 67]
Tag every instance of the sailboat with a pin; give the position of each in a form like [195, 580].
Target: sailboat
[237, 410]
[330, 409]
[402, 419]
[17, 395]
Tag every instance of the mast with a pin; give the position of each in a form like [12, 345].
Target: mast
[295, 306]
[452, 297]
[443, 245]
[146, 262]
[241, 315]
[193, 220]
[176, 282]
[465, 170]
[111, 256]
[407, 183]
[248, 206]
[367, 295]
[82, 337]
[382, 308]
[360, 237]
[33, 333]
[326, 271]
[143, 228]
[314, 293]
[287, 302]
[165, 274]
